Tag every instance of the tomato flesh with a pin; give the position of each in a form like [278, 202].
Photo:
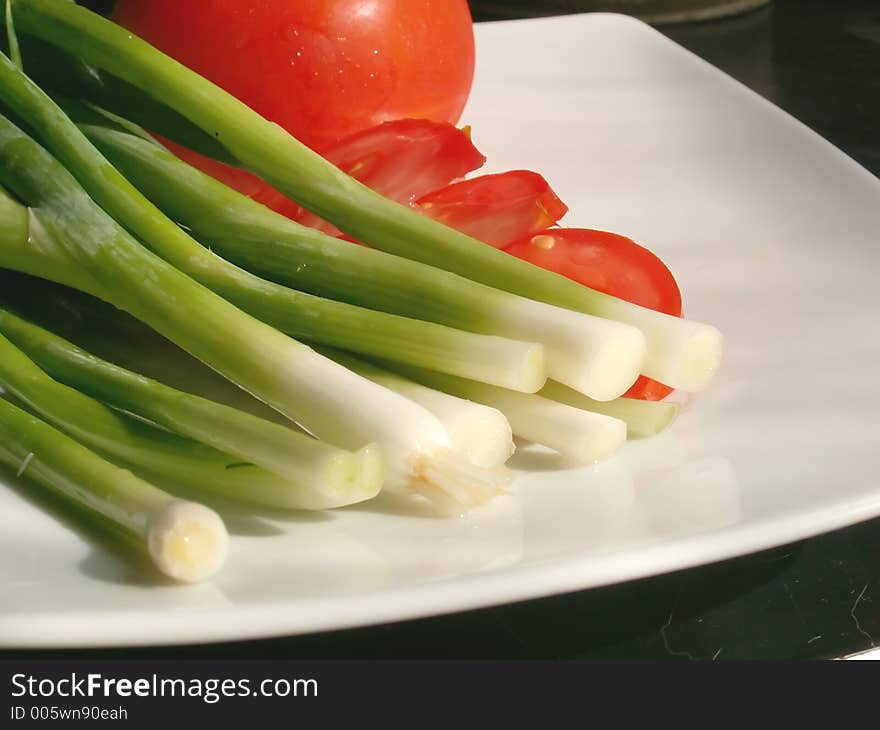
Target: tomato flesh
[612, 264]
[496, 209]
[322, 69]
[402, 160]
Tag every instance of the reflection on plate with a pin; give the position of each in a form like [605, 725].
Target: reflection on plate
[772, 235]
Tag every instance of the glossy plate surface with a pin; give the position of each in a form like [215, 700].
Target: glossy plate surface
[772, 234]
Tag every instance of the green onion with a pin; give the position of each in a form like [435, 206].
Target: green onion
[26, 246]
[499, 360]
[314, 475]
[115, 336]
[594, 355]
[681, 353]
[159, 455]
[14, 51]
[581, 437]
[78, 240]
[186, 541]
[13, 220]
[480, 432]
[643, 418]
[67, 76]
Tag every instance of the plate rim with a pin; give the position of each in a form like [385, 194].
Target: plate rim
[498, 587]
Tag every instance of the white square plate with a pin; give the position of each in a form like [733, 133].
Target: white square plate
[772, 234]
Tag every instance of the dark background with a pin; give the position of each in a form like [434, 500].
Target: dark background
[820, 61]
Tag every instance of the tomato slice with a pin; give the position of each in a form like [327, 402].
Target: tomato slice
[402, 160]
[612, 264]
[241, 180]
[496, 209]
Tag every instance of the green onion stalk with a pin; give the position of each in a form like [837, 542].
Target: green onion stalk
[581, 437]
[74, 242]
[252, 460]
[11, 37]
[109, 333]
[643, 418]
[681, 353]
[185, 540]
[478, 431]
[594, 355]
[499, 360]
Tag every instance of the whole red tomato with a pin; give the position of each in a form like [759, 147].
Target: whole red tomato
[322, 69]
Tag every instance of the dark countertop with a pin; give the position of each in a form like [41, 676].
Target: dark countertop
[820, 61]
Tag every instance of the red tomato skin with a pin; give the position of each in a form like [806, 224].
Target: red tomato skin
[647, 389]
[406, 158]
[612, 264]
[402, 160]
[322, 69]
[496, 209]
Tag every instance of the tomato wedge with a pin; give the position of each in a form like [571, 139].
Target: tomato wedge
[241, 180]
[612, 264]
[496, 209]
[402, 160]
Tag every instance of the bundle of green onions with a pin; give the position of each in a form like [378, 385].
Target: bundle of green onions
[410, 364]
